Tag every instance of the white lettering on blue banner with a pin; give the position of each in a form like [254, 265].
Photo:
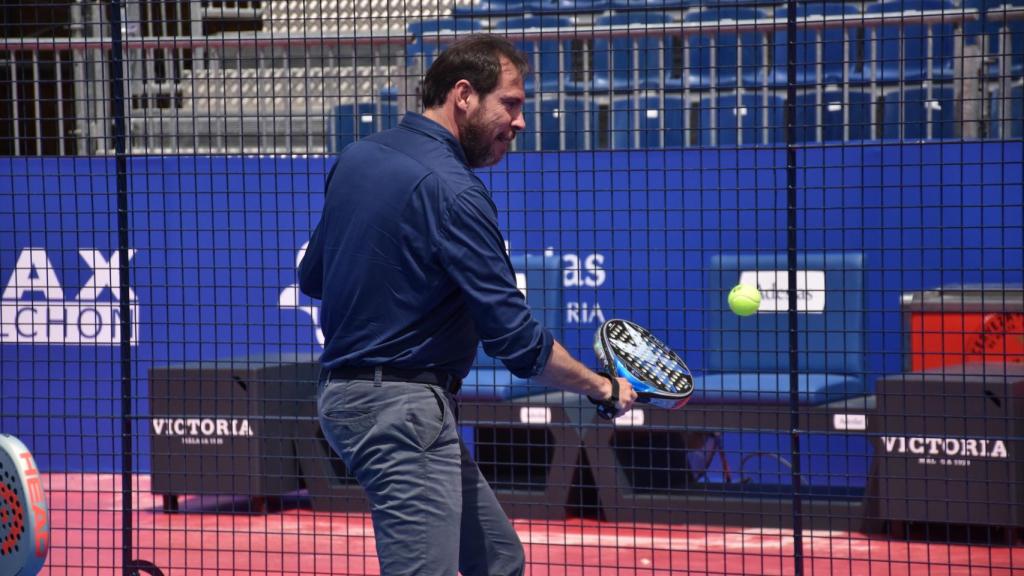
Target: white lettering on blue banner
[34, 310]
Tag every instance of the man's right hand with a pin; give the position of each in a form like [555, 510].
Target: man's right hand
[565, 372]
[626, 395]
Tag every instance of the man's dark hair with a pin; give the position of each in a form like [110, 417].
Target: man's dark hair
[476, 58]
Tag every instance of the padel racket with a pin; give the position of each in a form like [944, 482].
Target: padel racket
[24, 517]
[658, 375]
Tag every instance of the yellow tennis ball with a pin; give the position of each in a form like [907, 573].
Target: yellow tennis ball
[744, 299]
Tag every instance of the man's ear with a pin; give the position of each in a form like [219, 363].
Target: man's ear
[464, 94]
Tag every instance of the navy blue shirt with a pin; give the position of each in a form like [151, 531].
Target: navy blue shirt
[410, 264]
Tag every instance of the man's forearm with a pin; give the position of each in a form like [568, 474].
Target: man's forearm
[565, 372]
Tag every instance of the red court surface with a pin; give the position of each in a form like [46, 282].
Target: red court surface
[86, 539]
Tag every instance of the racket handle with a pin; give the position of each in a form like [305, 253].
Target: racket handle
[607, 408]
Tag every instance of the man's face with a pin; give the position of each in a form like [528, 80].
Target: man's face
[491, 124]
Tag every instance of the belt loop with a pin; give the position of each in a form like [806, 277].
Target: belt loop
[378, 375]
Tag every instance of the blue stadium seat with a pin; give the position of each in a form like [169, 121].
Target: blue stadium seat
[613, 60]
[485, 8]
[662, 120]
[831, 41]
[422, 29]
[356, 121]
[624, 5]
[541, 278]
[550, 58]
[926, 114]
[1007, 113]
[419, 54]
[630, 122]
[613, 124]
[548, 130]
[721, 58]
[388, 109]
[1016, 116]
[837, 111]
[747, 358]
[900, 50]
[353, 122]
[991, 30]
[566, 6]
[725, 3]
[747, 120]
[674, 122]
[428, 42]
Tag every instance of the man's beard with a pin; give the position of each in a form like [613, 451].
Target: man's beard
[477, 144]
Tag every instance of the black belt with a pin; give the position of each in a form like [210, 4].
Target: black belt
[432, 377]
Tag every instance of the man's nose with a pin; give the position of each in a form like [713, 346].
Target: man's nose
[519, 122]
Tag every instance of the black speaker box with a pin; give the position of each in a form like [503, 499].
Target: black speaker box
[231, 426]
[948, 445]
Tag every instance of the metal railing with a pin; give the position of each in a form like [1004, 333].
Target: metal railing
[190, 93]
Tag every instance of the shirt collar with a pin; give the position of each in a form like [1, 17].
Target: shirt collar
[420, 123]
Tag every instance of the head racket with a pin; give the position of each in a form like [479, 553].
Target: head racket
[24, 516]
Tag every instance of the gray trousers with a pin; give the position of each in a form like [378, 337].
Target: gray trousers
[433, 512]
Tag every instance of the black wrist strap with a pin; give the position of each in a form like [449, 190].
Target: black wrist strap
[606, 408]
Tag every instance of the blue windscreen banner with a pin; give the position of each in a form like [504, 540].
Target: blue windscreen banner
[214, 243]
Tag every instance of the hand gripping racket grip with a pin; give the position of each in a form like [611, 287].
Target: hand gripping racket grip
[606, 408]
[24, 516]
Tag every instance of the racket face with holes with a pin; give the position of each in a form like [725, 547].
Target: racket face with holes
[658, 375]
[24, 516]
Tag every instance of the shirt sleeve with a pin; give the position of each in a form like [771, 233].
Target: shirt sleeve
[473, 251]
[311, 268]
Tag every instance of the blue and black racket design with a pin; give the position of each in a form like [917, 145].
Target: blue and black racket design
[658, 375]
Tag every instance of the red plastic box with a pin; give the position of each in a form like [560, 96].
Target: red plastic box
[955, 325]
